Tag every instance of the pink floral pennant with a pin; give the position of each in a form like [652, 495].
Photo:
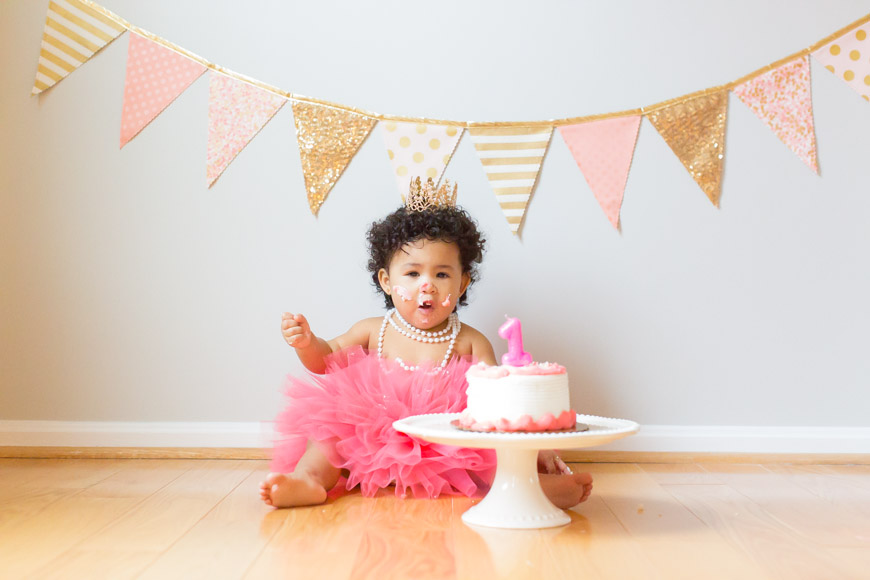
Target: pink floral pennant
[782, 98]
[155, 77]
[237, 111]
[603, 151]
[847, 57]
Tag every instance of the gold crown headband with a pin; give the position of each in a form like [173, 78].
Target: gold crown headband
[426, 196]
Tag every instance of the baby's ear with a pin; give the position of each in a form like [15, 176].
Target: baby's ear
[466, 282]
[384, 280]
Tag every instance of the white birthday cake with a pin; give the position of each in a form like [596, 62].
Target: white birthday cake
[529, 398]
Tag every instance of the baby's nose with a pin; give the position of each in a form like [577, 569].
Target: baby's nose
[426, 287]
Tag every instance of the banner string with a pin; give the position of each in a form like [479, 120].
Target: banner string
[540, 123]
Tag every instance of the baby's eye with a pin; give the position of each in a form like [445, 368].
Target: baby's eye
[412, 274]
[443, 275]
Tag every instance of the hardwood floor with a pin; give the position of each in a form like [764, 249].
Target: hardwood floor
[184, 518]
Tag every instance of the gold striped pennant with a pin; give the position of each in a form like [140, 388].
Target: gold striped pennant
[511, 158]
[74, 32]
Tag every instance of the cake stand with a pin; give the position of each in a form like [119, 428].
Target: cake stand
[515, 499]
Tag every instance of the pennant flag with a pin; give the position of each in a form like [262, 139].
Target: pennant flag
[419, 149]
[782, 98]
[328, 139]
[603, 151]
[74, 32]
[237, 111]
[694, 129]
[847, 57]
[512, 157]
[156, 75]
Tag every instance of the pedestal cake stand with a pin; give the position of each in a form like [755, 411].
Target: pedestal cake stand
[516, 499]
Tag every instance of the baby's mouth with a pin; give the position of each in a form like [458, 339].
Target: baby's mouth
[425, 303]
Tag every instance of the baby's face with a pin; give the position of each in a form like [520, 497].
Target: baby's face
[425, 280]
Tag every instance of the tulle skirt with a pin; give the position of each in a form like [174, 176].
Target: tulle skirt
[349, 412]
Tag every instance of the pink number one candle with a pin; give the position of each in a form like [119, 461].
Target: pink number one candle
[512, 331]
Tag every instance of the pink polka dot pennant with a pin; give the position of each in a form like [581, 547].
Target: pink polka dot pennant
[156, 76]
[782, 98]
[603, 151]
[237, 111]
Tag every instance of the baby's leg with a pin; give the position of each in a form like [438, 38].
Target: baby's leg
[313, 477]
[566, 490]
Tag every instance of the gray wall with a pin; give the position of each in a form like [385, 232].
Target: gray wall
[131, 292]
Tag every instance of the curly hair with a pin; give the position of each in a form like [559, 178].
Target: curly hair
[448, 224]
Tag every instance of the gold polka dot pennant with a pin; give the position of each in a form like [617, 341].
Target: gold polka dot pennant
[74, 32]
[328, 139]
[695, 131]
[512, 157]
[419, 150]
[848, 57]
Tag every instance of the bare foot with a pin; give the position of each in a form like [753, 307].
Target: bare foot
[566, 490]
[281, 491]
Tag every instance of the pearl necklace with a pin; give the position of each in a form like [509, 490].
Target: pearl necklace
[453, 324]
[415, 333]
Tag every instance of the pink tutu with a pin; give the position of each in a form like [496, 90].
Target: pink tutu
[349, 412]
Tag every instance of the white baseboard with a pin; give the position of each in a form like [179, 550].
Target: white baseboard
[734, 439]
[134, 434]
[650, 438]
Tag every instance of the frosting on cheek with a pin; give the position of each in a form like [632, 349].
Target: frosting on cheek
[402, 293]
[446, 302]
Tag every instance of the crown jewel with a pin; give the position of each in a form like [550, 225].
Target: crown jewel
[426, 196]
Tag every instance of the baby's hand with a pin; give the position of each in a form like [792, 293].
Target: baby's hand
[549, 462]
[295, 329]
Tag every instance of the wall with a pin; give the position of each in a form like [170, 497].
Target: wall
[133, 293]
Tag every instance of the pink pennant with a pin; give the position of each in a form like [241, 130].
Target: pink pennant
[237, 111]
[782, 98]
[603, 151]
[156, 76]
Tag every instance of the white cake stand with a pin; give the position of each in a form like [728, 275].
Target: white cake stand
[516, 499]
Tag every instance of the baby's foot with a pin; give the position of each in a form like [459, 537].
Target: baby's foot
[566, 490]
[281, 491]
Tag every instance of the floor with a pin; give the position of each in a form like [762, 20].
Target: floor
[155, 518]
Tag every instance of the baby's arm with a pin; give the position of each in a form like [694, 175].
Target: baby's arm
[311, 349]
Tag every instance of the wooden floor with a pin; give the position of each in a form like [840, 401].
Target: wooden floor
[152, 518]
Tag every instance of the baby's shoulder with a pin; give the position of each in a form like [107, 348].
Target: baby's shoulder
[367, 325]
[472, 333]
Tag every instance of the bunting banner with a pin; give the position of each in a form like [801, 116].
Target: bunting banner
[328, 139]
[782, 98]
[848, 57]
[329, 134]
[73, 33]
[237, 111]
[694, 129]
[419, 150]
[603, 151]
[511, 158]
[155, 76]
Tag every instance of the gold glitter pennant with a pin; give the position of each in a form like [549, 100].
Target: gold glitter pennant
[695, 131]
[328, 139]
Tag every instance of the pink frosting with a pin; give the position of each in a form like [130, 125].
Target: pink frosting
[402, 293]
[496, 372]
[526, 423]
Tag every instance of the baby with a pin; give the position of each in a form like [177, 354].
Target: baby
[423, 258]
